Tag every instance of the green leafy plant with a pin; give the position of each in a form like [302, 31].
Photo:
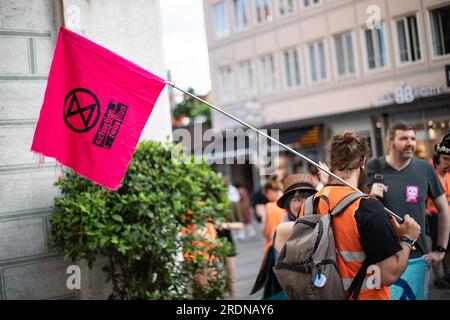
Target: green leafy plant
[141, 228]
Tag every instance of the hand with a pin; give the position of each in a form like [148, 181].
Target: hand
[434, 257]
[323, 177]
[378, 189]
[409, 228]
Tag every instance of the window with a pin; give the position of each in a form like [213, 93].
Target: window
[220, 20]
[285, 7]
[376, 48]
[262, 11]
[310, 3]
[317, 62]
[291, 68]
[408, 39]
[440, 30]
[248, 88]
[345, 59]
[240, 14]
[268, 72]
[226, 84]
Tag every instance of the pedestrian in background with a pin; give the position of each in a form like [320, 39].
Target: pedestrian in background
[441, 163]
[297, 188]
[403, 183]
[273, 215]
[259, 199]
[233, 224]
[245, 208]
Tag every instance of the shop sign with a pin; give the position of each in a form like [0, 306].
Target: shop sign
[407, 94]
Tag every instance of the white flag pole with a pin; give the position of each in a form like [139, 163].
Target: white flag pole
[277, 142]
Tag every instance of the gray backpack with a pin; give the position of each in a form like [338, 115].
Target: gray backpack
[306, 268]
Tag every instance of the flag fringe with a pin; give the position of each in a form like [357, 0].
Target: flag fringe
[60, 166]
[40, 160]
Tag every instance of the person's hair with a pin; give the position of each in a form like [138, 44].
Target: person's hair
[273, 185]
[436, 159]
[305, 194]
[347, 150]
[400, 125]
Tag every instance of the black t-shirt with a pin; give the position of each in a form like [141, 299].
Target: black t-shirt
[408, 192]
[377, 236]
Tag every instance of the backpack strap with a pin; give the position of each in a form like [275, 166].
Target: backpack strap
[317, 200]
[312, 203]
[355, 286]
[378, 177]
[309, 204]
[346, 202]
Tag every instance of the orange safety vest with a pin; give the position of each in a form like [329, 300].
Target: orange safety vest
[350, 254]
[274, 216]
[446, 186]
[211, 233]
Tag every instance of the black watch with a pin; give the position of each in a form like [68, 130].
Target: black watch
[440, 249]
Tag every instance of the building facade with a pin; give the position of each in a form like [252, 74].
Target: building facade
[315, 67]
[29, 269]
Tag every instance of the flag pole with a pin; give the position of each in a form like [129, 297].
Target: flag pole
[277, 142]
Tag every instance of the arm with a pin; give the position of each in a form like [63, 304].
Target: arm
[443, 228]
[378, 189]
[444, 220]
[232, 226]
[379, 239]
[392, 268]
[437, 193]
[283, 231]
[265, 226]
[260, 212]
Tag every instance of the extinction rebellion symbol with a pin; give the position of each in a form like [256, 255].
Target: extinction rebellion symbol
[81, 110]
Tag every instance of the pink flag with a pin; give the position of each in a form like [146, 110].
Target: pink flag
[95, 107]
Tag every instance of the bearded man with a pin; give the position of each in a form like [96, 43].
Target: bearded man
[403, 183]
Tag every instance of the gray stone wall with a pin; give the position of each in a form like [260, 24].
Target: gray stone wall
[28, 29]
[28, 268]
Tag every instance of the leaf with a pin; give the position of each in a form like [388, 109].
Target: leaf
[117, 217]
[114, 240]
[99, 225]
